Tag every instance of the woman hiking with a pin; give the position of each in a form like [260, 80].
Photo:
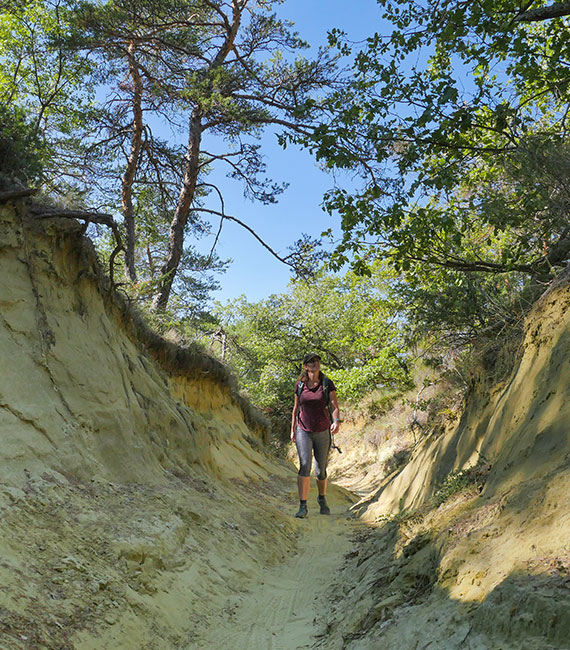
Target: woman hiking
[311, 429]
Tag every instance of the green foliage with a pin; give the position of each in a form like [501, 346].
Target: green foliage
[457, 123]
[348, 320]
[459, 481]
[121, 94]
[196, 279]
[387, 368]
[45, 81]
[20, 149]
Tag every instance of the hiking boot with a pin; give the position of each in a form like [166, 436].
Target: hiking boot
[302, 512]
[325, 510]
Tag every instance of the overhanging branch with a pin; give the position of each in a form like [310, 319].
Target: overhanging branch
[223, 216]
[91, 217]
[9, 195]
[556, 10]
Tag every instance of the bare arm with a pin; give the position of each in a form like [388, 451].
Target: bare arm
[294, 417]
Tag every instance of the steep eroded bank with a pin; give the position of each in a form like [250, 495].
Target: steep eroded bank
[480, 560]
[135, 494]
[139, 508]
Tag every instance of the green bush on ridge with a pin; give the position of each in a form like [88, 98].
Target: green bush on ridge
[20, 149]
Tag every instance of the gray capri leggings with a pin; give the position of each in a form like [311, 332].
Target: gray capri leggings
[309, 443]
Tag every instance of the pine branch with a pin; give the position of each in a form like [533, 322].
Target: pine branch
[9, 195]
[284, 260]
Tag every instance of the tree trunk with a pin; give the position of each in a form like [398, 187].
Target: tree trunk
[191, 168]
[131, 168]
[180, 219]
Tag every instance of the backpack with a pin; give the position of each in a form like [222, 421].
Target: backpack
[326, 392]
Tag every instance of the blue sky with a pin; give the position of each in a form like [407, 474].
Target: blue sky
[254, 272]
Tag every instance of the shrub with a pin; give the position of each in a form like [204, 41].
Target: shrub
[20, 149]
[462, 480]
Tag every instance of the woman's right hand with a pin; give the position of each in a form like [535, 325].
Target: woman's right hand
[293, 435]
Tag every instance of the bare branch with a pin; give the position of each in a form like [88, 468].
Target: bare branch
[250, 230]
[222, 217]
[91, 217]
[556, 10]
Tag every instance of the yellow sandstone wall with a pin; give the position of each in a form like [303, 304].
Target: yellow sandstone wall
[522, 425]
[87, 391]
[517, 529]
[134, 489]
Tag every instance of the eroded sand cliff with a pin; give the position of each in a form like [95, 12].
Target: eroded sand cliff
[488, 567]
[134, 490]
[140, 509]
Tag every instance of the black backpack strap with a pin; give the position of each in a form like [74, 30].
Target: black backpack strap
[327, 389]
[327, 393]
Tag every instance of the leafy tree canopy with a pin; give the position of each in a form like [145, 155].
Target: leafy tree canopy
[21, 151]
[457, 123]
[137, 100]
[350, 321]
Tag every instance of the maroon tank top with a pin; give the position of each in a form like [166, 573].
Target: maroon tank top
[313, 412]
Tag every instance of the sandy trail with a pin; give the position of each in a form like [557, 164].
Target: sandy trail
[285, 606]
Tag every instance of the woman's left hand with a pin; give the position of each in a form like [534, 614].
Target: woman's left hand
[335, 426]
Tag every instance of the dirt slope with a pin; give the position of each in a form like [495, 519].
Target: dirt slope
[85, 388]
[486, 566]
[140, 510]
[135, 496]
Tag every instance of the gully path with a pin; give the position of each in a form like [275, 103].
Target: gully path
[287, 608]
